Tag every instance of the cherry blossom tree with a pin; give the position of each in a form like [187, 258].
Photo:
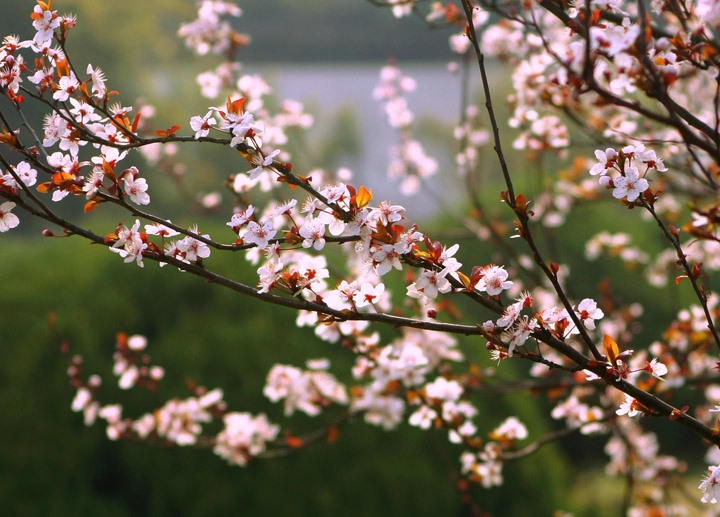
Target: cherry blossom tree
[625, 92]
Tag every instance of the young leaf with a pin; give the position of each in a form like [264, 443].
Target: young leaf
[611, 349]
[364, 196]
[163, 133]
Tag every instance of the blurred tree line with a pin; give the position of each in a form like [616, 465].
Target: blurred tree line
[285, 31]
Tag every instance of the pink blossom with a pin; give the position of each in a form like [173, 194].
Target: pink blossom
[627, 407]
[8, 220]
[443, 389]
[136, 188]
[202, 125]
[631, 185]
[606, 160]
[588, 312]
[495, 280]
[45, 24]
[240, 217]
[192, 249]
[66, 86]
[313, 233]
[97, 77]
[259, 235]
[160, 229]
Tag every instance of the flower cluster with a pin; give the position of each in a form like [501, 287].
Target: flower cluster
[211, 32]
[178, 421]
[132, 367]
[408, 159]
[307, 391]
[628, 184]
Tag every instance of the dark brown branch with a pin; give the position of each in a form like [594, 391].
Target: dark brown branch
[527, 233]
[548, 438]
[682, 259]
[488, 102]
